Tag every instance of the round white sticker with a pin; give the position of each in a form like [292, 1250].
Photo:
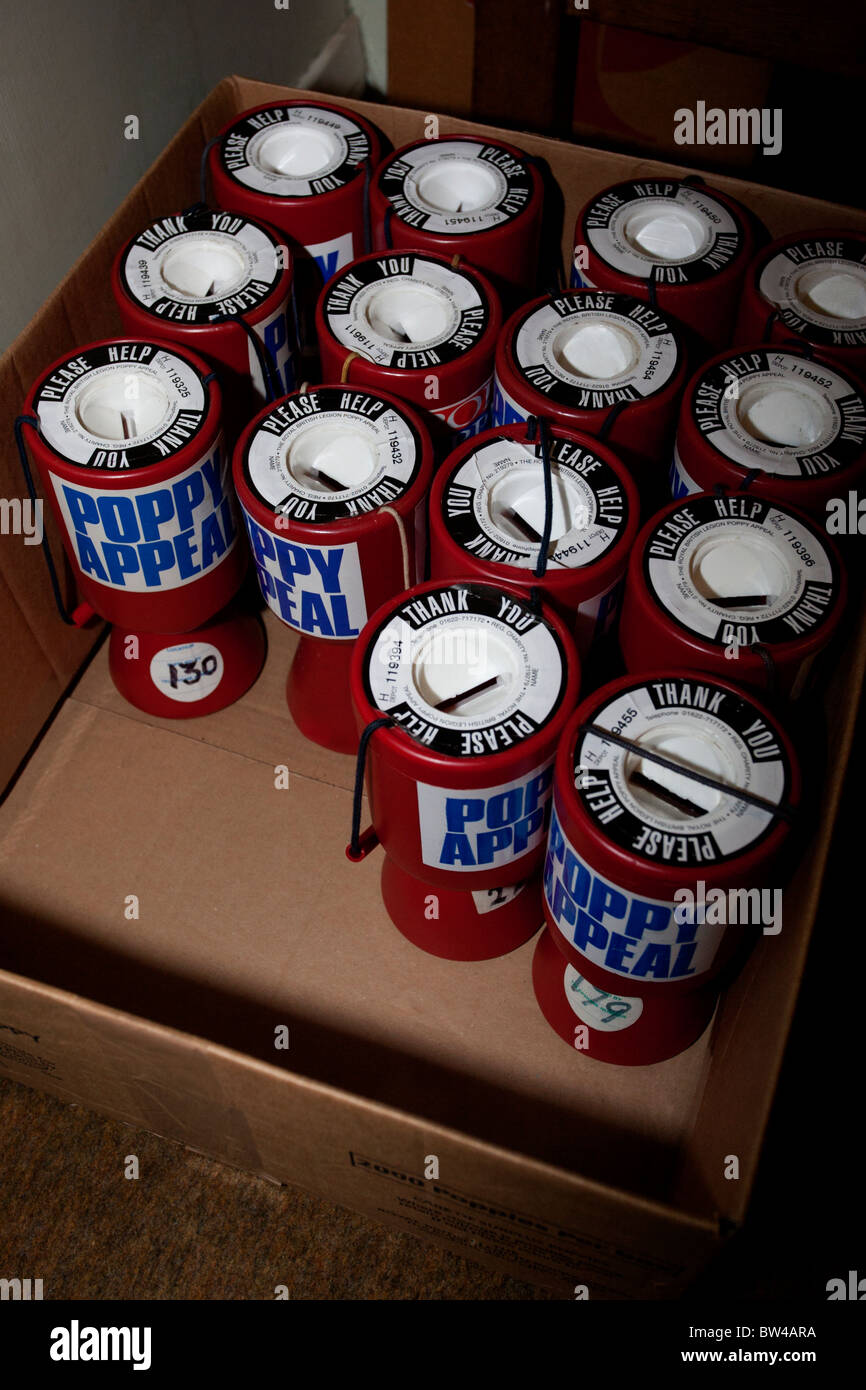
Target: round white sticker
[201, 265]
[739, 570]
[294, 151]
[406, 311]
[818, 288]
[467, 670]
[332, 453]
[781, 413]
[188, 671]
[676, 232]
[606, 1013]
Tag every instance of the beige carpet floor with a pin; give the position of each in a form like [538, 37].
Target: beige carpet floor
[189, 1228]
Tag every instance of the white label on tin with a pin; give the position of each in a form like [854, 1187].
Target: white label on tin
[596, 351]
[316, 589]
[630, 935]
[406, 310]
[676, 230]
[275, 335]
[736, 570]
[781, 413]
[147, 404]
[606, 1013]
[456, 187]
[188, 274]
[188, 671]
[484, 828]
[294, 151]
[664, 816]
[331, 453]
[819, 289]
[506, 411]
[331, 256]
[494, 505]
[467, 669]
[682, 484]
[489, 899]
[149, 539]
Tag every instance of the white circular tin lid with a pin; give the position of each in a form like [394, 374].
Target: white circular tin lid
[467, 670]
[666, 816]
[406, 310]
[493, 504]
[121, 405]
[739, 570]
[780, 412]
[330, 453]
[818, 288]
[456, 187]
[202, 265]
[676, 232]
[594, 349]
[294, 151]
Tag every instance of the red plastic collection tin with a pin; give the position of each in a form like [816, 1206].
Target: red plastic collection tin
[735, 585]
[305, 167]
[676, 243]
[219, 284]
[332, 482]
[477, 683]
[487, 518]
[480, 198]
[783, 424]
[606, 364]
[302, 166]
[810, 286]
[417, 325]
[638, 847]
[189, 675]
[130, 452]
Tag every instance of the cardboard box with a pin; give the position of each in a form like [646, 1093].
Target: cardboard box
[249, 918]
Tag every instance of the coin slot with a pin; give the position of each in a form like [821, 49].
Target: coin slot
[409, 314]
[124, 405]
[597, 350]
[783, 415]
[456, 185]
[199, 268]
[666, 234]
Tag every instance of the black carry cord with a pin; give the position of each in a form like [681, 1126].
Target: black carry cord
[32, 421]
[536, 433]
[357, 851]
[267, 365]
[202, 182]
